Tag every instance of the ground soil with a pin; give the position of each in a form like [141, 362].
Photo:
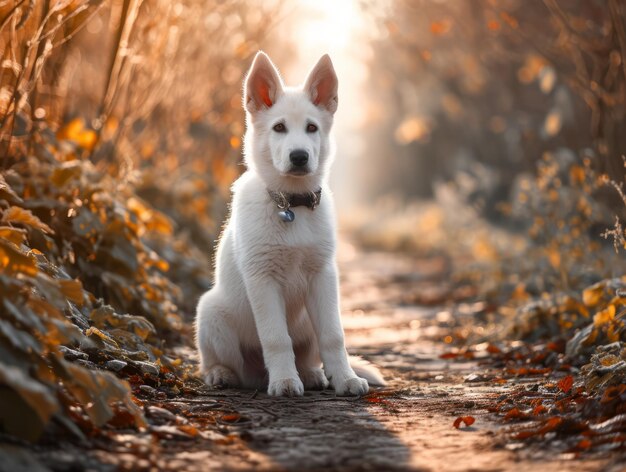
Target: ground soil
[396, 314]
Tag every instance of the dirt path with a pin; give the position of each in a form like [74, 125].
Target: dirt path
[408, 425]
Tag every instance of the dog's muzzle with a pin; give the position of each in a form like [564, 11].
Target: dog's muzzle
[299, 159]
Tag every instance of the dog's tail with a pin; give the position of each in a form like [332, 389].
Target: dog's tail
[367, 370]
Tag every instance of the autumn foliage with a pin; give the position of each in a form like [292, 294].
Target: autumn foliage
[102, 213]
[493, 138]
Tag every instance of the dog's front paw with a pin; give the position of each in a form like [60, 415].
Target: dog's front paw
[314, 379]
[221, 376]
[286, 388]
[351, 386]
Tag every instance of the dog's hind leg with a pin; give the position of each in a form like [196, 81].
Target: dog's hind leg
[308, 361]
[221, 361]
[310, 367]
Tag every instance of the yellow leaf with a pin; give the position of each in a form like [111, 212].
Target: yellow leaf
[15, 235]
[571, 304]
[73, 290]
[13, 261]
[552, 124]
[612, 334]
[69, 170]
[555, 258]
[593, 295]
[75, 131]
[25, 217]
[589, 340]
[605, 316]
[577, 174]
[153, 219]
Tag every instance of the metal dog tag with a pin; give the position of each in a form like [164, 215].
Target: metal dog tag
[287, 215]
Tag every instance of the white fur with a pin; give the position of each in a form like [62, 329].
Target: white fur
[273, 317]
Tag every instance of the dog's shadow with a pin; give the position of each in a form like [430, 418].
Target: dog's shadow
[317, 431]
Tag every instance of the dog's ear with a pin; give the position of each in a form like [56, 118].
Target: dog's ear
[263, 85]
[321, 85]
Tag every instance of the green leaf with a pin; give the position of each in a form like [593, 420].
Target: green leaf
[26, 405]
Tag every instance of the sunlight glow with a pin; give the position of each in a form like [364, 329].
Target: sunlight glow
[331, 24]
[341, 29]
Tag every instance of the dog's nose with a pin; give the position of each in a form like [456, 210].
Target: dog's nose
[299, 157]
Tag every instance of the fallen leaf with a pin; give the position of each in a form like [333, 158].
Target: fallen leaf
[515, 414]
[449, 355]
[25, 217]
[73, 290]
[565, 384]
[584, 444]
[189, 429]
[231, 417]
[15, 235]
[468, 420]
[13, 261]
[539, 409]
[493, 349]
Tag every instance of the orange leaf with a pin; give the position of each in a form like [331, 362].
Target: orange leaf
[493, 349]
[565, 384]
[440, 27]
[231, 417]
[468, 420]
[550, 425]
[515, 414]
[15, 235]
[539, 409]
[25, 217]
[73, 290]
[605, 316]
[584, 444]
[189, 429]
[525, 435]
[449, 355]
[75, 131]
[13, 261]
[493, 25]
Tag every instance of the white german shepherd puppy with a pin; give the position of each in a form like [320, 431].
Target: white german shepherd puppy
[272, 319]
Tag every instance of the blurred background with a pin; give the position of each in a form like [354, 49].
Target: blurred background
[488, 131]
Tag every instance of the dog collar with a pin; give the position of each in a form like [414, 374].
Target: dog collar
[285, 201]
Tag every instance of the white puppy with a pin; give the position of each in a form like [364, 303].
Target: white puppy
[272, 317]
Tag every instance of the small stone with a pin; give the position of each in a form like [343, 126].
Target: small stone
[147, 367]
[72, 354]
[115, 365]
[148, 390]
[160, 413]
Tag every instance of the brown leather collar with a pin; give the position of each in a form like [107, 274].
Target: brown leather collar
[284, 201]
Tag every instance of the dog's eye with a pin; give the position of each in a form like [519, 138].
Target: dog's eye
[311, 128]
[279, 128]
